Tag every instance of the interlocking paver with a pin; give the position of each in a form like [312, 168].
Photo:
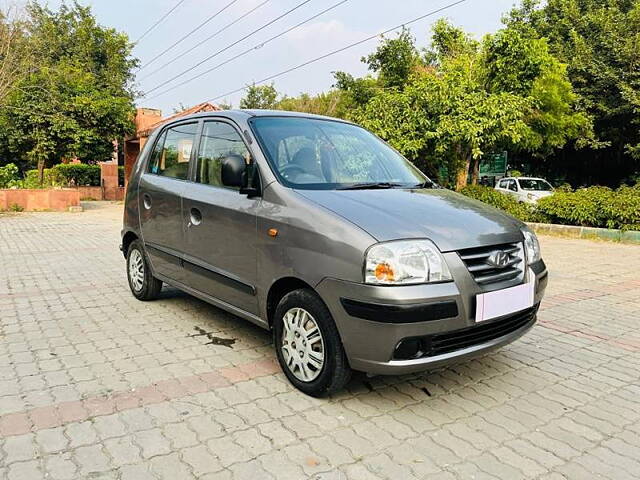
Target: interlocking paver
[94, 384]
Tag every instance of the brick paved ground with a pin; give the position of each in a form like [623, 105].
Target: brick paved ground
[94, 384]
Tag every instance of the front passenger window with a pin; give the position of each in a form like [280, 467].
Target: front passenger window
[218, 140]
[171, 154]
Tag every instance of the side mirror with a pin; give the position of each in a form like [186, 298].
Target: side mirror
[236, 173]
[233, 167]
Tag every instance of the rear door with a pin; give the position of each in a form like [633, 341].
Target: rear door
[220, 223]
[160, 197]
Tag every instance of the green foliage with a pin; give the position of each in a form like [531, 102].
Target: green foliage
[598, 42]
[394, 60]
[14, 207]
[498, 200]
[9, 176]
[77, 97]
[594, 207]
[32, 179]
[260, 97]
[464, 99]
[515, 173]
[64, 175]
[331, 104]
[588, 207]
[77, 174]
[565, 187]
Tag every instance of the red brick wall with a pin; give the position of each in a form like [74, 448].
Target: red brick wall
[31, 200]
[96, 193]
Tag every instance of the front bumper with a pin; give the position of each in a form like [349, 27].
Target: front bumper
[432, 313]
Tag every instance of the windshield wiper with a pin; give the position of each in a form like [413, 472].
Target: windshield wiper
[427, 184]
[371, 186]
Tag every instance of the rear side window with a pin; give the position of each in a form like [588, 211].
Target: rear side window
[171, 154]
[218, 140]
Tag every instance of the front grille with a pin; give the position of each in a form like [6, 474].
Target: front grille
[441, 343]
[478, 262]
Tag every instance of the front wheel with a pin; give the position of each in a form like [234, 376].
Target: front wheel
[142, 283]
[308, 345]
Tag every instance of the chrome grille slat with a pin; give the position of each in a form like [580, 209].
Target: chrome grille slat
[483, 266]
[498, 277]
[477, 262]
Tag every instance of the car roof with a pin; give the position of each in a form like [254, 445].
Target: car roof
[524, 178]
[241, 114]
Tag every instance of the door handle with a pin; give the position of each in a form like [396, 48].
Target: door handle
[195, 217]
[146, 201]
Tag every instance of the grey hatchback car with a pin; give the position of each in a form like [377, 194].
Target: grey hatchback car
[317, 230]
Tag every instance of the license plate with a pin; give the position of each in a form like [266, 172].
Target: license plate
[503, 302]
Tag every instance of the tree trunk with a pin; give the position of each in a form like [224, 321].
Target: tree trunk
[41, 172]
[475, 171]
[462, 175]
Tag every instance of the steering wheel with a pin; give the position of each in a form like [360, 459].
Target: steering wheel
[290, 168]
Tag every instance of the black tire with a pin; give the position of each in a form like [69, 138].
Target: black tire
[151, 286]
[335, 371]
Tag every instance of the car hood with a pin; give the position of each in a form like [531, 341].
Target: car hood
[451, 220]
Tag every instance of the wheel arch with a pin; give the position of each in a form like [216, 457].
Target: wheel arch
[127, 240]
[279, 289]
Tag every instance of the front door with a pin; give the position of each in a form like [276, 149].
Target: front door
[160, 197]
[220, 224]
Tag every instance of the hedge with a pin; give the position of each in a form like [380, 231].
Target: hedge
[523, 211]
[594, 207]
[588, 207]
[65, 175]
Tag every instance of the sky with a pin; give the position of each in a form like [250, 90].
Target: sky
[350, 22]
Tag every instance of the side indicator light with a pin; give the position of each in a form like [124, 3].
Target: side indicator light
[273, 232]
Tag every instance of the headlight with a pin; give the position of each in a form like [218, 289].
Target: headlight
[531, 246]
[405, 262]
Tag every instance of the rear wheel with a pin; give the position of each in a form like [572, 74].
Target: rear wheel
[308, 345]
[142, 283]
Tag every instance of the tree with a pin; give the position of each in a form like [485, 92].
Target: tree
[79, 99]
[394, 60]
[259, 97]
[330, 104]
[466, 98]
[14, 52]
[598, 41]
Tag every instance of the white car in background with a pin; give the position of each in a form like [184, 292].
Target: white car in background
[525, 189]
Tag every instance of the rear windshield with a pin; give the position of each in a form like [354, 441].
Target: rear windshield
[322, 154]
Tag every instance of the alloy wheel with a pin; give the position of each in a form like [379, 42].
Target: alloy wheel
[136, 269]
[302, 345]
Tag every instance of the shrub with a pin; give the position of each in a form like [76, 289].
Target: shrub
[76, 174]
[64, 175]
[594, 207]
[32, 179]
[9, 176]
[499, 200]
[587, 207]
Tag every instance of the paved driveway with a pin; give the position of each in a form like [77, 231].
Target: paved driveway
[94, 384]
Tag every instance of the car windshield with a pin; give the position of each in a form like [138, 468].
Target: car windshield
[318, 154]
[535, 184]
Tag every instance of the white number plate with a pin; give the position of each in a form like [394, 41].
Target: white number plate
[503, 302]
